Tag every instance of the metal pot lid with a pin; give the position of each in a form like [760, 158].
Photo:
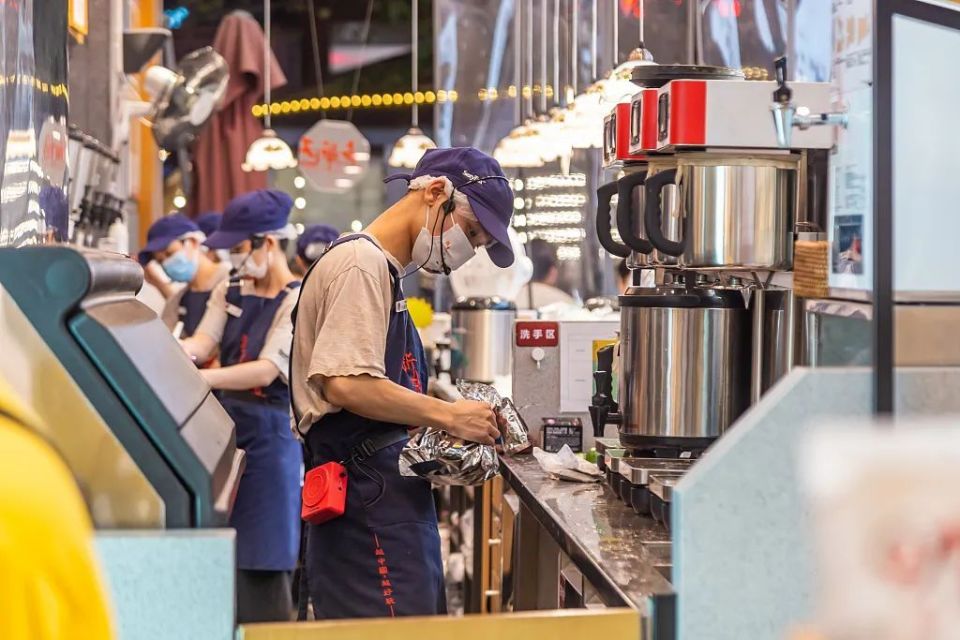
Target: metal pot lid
[657, 75]
[484, 304]
[683, 298]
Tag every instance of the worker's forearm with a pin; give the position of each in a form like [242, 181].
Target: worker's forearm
[199, 346]
[386, 401]
[241, 377]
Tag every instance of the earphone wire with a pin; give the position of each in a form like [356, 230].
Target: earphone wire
[448, 208]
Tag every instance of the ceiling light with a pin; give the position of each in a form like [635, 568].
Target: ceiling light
[269, 152]
[299, 182]
[408, 150]
[179, 201]
[356, 226]
[300, 203]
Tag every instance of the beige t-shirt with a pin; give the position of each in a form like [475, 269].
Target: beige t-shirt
[276, 347]
[341, 323]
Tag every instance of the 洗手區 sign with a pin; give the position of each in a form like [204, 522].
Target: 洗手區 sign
[333, 155]
[537, 334]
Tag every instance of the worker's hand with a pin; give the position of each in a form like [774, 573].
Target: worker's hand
[472, 420]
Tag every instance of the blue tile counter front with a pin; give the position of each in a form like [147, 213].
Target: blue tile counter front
[617, 551]
[170, 584]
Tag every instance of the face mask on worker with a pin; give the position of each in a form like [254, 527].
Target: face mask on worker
[181, 266]
[450, 249]
[246, 265]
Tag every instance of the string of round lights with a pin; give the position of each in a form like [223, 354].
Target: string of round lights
[356, 101]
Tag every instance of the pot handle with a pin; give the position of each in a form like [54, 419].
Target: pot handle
[652, 214]
[604, 194]
[625, 188]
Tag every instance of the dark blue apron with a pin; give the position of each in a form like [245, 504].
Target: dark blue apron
[266, 514]
[193, 304]
[382, 557]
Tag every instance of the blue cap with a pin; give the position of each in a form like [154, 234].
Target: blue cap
[209, 222]
[163, 232]
[251, 214]
[322, 234]
[490, 199]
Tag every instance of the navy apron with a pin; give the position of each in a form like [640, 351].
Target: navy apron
[193, 304]
[266, 514]
[382, 557]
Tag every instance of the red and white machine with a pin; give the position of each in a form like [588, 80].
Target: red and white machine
[643, 122]
[697, 114]
[616, 137]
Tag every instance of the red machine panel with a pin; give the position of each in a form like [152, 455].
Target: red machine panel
[616, 137]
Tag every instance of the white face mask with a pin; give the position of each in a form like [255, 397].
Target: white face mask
[431, 255]
[247, 266]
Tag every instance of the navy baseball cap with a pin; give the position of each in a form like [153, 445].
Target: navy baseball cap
[490, 199]
[251, 214]
[315, 234]
[163, 232]
[209, 222]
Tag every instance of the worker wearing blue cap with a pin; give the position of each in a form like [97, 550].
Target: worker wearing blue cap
[312, 243]
[249, 318]
[174, 243]
[359, 378]
[209, 222]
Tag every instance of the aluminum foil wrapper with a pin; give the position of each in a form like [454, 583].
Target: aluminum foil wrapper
[516, 436]
[437, 456]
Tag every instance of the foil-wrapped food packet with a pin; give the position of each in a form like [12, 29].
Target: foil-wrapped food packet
[516, 436]
[435, 455]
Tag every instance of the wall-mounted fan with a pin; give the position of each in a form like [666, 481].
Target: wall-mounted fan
[182, 101]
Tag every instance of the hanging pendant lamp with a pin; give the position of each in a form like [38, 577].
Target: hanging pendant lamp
[268, 151]
[520, 148]
[408, 150]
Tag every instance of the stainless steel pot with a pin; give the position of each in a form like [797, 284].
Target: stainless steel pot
[684, 364]
[730, 212]
[482, 335]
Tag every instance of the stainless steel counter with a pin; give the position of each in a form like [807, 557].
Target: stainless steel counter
[623, 556]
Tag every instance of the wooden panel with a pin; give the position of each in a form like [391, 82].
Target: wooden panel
[618, 623]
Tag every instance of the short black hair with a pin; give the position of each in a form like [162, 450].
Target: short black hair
[544, 258]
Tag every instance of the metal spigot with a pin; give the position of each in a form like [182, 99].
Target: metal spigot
[787, 115]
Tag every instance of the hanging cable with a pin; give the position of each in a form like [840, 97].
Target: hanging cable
[642, 17]
[414, 62]
[593, 43]
[267, 51]
[315, 41]
[556, 52]
[575, 45]
[517, 63]
[530, 111]
[364, 36]
[543, 56]
[616, 35]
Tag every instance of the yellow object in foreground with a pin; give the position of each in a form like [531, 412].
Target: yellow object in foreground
[50, 586]
[421, 312]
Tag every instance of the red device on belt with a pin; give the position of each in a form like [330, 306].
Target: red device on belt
[325, 486]
[324, 493]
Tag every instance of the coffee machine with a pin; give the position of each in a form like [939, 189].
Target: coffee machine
[716, 217]
[629, 143]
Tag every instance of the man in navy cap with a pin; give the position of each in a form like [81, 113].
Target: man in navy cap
[312, 243]
[359, 377]
[174, 243]
[248, 317]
